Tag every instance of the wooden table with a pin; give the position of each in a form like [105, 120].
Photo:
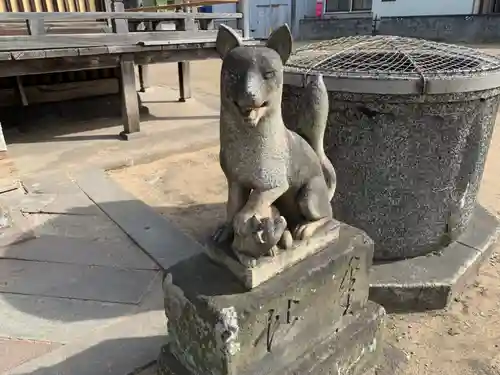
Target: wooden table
[193, 39]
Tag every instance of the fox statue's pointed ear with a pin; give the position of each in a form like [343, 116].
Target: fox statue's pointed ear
[281, 41]
[227, 39]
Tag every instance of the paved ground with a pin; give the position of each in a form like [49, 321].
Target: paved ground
[84, 296]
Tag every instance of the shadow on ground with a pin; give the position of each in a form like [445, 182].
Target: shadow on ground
[82, 267]
[59, 121]
[118, 356]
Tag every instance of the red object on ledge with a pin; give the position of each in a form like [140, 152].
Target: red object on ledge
[319, 8]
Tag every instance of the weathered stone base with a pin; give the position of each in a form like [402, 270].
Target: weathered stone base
[353, 348]
[312, 316]
[431, 282]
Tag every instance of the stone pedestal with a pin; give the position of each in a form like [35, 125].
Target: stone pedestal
[312, 318]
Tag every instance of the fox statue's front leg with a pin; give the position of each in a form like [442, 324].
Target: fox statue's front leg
[237, 197]
[258, 201]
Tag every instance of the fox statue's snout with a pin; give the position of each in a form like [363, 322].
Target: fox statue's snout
[255, 89]
[253, 97]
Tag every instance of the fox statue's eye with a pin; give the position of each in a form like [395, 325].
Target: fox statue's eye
[269, 75]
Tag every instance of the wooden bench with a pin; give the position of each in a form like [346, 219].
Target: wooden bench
[57, 86]
[40, 52]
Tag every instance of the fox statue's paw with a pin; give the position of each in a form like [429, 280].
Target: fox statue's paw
[307, 230]
[242, 223]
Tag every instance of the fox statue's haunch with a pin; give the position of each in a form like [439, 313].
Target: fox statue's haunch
[280, 183]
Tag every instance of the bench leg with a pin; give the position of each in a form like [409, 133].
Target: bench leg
[143, 77]
[184, 80]
[129, 101]
[21, 92]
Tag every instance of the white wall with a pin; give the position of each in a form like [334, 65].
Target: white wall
[421, 7]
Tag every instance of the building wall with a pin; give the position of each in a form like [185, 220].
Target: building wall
[303, 9]
[328, 28]
[473, 29]
[400, 8]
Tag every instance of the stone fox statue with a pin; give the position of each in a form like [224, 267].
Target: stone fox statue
[268, 167]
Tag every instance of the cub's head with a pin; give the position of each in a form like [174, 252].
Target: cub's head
[252, 76]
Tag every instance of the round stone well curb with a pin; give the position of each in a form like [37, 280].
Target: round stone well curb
[409, 127]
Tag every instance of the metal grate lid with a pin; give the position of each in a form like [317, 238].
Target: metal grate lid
[394, 58]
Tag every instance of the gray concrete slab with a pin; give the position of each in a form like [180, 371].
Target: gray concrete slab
[80, 251]
[70, 227]
[66, 320]
[50, 182]
[158, 237]
[119, 356]
[52, 319]
[14, 352]
[15, 227]
[80, 274]
[98, 228]
[119, 347]
[95, 283]
[71, 203]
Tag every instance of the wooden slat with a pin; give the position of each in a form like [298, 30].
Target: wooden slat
[3, 6]
[67, 16]
[69, 27]
[38, 5]
[42, 42]
[195, 3]
[82, 6]
[26, 6]
[75, 63]
[71, 5]
[46, 93]
[92, 5]
[28, 67]
[60, 6]
[13, 6]
[50, 5]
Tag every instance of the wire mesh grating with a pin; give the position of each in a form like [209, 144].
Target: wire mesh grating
[389, 56]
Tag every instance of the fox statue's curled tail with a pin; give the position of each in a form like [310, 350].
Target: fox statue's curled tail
[312, 121]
